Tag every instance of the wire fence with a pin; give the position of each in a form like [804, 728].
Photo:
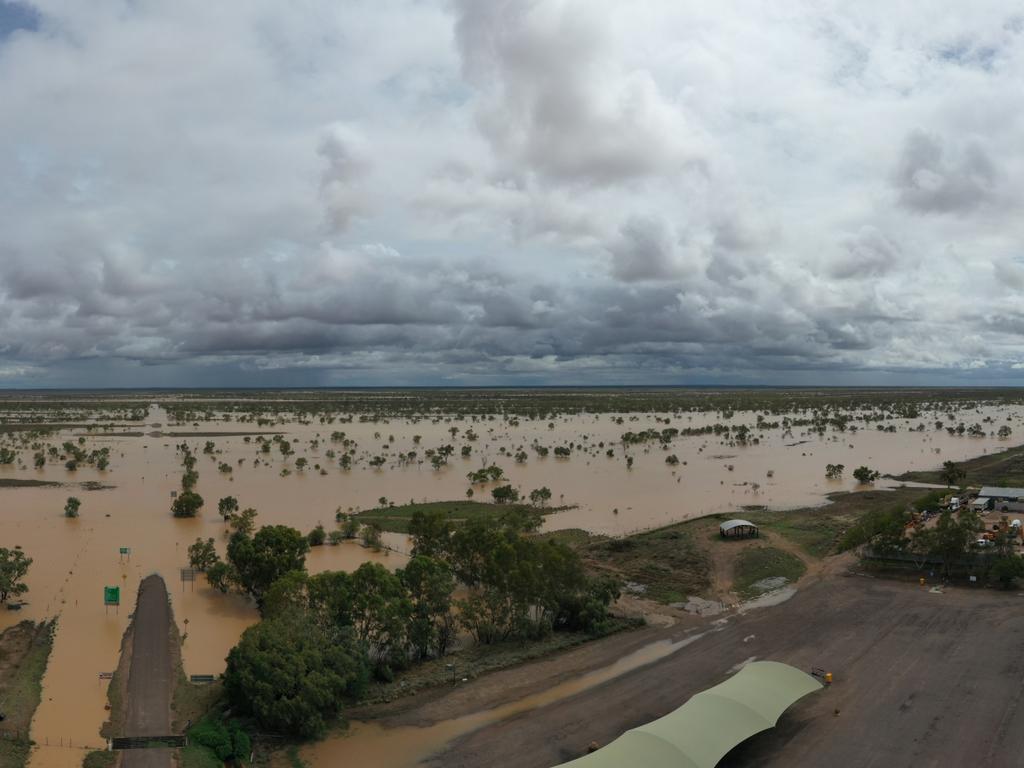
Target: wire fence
[59, 742]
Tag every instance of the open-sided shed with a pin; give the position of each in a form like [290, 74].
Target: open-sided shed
[705, 728]
[737, 529]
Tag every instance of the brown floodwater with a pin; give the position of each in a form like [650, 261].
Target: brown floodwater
[74, 559]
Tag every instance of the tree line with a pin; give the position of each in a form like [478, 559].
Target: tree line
[323, 637]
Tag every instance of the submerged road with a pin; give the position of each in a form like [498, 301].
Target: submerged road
[151, 675]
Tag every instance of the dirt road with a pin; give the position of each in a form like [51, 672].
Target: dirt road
[922, 679]
[151, 677]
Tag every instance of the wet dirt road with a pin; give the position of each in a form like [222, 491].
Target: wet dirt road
[151, 677]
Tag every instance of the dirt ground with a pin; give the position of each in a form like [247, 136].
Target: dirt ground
[922, 679]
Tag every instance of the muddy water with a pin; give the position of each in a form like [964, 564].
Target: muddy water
[74, 559]
[404, 747]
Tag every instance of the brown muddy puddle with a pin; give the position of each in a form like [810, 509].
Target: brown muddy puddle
[74, 559]
[406, 746]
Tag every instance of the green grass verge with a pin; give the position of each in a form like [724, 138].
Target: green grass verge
[24, 650]
[194, 756]
[757, 563]
[99, 758]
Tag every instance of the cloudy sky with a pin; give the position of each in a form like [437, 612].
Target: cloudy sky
[331, 192]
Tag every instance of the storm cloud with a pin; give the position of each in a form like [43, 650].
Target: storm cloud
[516, 191]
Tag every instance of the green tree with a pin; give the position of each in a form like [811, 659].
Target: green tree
[263, 559]
[292, 675]
[1007, 569]
[71, 506]
[221, 576]
[429, 584]
[243, 522]
[380, 613]
[371, 535]
[350, 527]
[540, 496]
[187, 504]
[227, 506]
[430, 532]
[505, 494]
[834, 471]
[317, 536]
[952, 536]
[13, 568]
[951, 474]
[865, 475]
[202, 555]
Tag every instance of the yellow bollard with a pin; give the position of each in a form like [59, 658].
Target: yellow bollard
[828, 678]
[922, 581]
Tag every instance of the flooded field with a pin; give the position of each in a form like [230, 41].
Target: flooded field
[633, 488]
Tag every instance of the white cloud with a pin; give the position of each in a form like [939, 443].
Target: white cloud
[518, 189]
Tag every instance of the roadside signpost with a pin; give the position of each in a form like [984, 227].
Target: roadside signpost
[188, 574]
[126, 551]
[111, 596]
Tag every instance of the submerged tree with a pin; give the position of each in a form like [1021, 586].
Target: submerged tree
[227, 506]
[187, 504]
[540, 496]
[72, 506]
[13, 567]
[202, 555]
[865, 475]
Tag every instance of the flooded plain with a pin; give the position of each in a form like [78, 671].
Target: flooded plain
[73, 559]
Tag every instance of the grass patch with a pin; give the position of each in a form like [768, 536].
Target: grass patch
[396, 519]
[1004, 468]
[825, 530]
[668, 562]
[573, 537]
[757, 563]
[99, 758]
[191, 702]
[24, 653]
[194, 756]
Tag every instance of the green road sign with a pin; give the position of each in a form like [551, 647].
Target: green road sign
[126, 550]
[111, 595]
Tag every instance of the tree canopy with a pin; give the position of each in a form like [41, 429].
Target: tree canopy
[293, 675]
[13, 568]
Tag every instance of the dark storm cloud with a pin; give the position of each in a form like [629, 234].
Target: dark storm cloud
[16, 16]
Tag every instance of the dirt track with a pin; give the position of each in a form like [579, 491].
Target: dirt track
[922, 679]
[151, 675]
